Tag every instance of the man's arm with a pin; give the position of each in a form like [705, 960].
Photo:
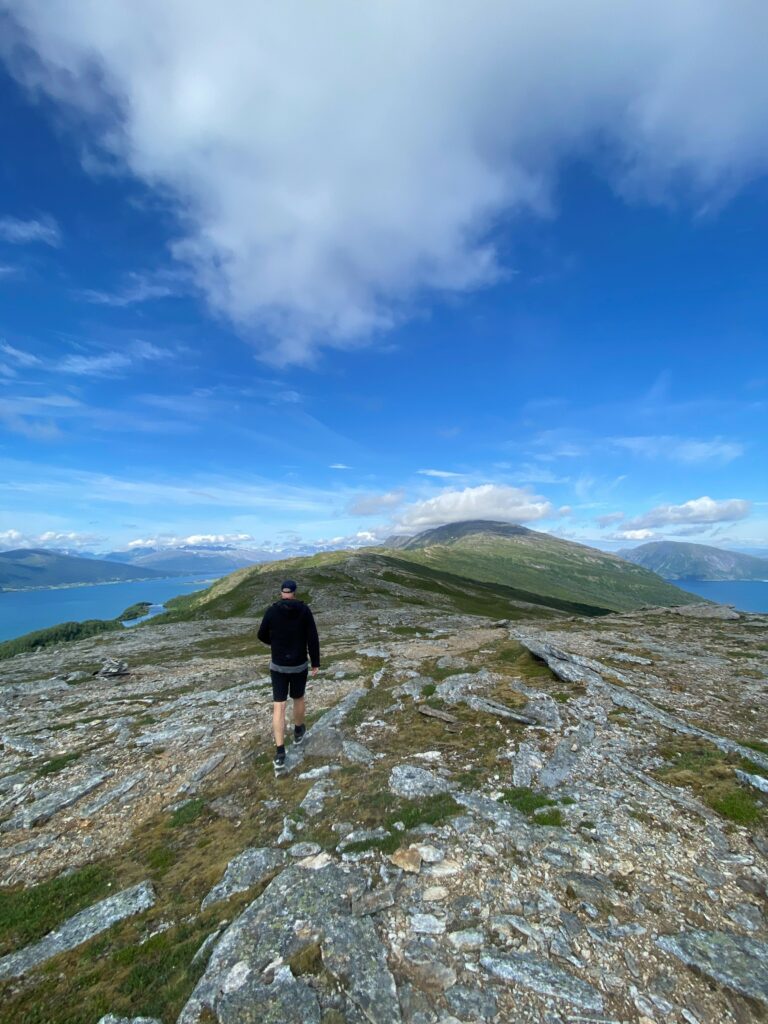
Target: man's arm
[265, 632]
[313, 641]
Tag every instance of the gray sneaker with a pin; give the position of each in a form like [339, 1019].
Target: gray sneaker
[299, 732]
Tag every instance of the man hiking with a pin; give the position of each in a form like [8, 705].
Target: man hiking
[288, 627]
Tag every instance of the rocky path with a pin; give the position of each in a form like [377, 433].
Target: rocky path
[481, 826]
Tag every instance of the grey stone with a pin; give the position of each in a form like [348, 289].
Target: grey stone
[738, 962]
[113, 667]
[312, 804]
[79, 929]
[427, 924]
[565, 758]
[410, 781]
[351, 950]
[304, 850]
[112, 794]
[9, 782]
[526, 764]
[112, 1019]
[506, 820]
[374, 901]
[755, 781]
[471, 1003]
[42, 810]
[467, 938]
[205, 769]
[362, 835]
[250, 867]
[246, 999]
[543, 977]
[28, 846]
[357, 753]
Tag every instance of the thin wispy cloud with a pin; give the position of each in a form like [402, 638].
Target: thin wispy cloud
[110, 364]
[16, 231]
[19, 356]
[339, 465]
[439, 473]
[375, 504]
[304, 223]
[681, 449]
[137, 288]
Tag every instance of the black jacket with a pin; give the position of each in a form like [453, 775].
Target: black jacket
[289, 628]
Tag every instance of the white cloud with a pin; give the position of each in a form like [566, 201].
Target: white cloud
[610, 518]
[680, 449]
[374, 504]
[69, 540]
[338, 465]
[439, 473]
[23, 232]
[137, 288]
[635, 535]
[488, 501]
[110, 364]
[18, 356]
[699, 510]
[331, 165]
[193, 540]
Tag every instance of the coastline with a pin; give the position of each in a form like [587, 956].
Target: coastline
[94, 583]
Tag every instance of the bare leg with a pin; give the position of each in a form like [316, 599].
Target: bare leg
[278, 722]
[298, 711]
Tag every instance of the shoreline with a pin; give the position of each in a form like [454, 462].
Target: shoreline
[93, 583]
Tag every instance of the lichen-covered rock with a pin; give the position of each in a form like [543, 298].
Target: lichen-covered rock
[40, 811]
[299, 909]
[79, 929]
[250, 867]
[410, 782]
[543, 977]
[738, 962]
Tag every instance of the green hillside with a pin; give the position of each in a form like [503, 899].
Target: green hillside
[540, 564]
[342, 580]
[676, 560]
[29, 568]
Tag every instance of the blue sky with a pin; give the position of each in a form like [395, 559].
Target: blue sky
[282, 283]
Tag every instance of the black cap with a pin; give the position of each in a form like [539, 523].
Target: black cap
[289, 585]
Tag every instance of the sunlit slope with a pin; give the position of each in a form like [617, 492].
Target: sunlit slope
[540, 564]
[348, 579]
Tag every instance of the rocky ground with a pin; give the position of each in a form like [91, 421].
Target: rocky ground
[489, 821]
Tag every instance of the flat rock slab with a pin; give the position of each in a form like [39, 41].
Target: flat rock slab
[543, 977]
[42, 810]
[408, 781]
[112, 1019]
[79, 929]
[735, 961]
[248, 980]
[250, 867]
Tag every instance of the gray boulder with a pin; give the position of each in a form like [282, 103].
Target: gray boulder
[735, 961]
[250, 867]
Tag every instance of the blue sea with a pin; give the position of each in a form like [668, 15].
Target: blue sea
[746, 595]
[25, 610]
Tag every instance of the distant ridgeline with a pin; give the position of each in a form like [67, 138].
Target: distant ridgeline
[28, 568]
[675, 560]
[473, 568]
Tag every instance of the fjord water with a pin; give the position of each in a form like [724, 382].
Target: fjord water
[25, 610]
[746, 595]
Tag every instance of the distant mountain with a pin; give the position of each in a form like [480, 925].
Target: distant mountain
[538, 563]
[187, 558]
[28, 568]
[675, 560]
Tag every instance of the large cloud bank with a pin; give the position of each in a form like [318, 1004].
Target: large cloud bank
[488, 501]
[332, 162]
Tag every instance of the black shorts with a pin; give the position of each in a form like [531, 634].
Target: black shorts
[285, 684]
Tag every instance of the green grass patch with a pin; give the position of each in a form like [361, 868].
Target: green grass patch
[57, 764]
[428, 689]
[135, 611]
[64, 633]
[187, 813]
[551, 816]
[427, 811]
[761, 748]
[709, 773]
[28, 914]
[526, 800]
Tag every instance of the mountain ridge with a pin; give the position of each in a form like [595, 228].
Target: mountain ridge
[38, 568]
[679, 560]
